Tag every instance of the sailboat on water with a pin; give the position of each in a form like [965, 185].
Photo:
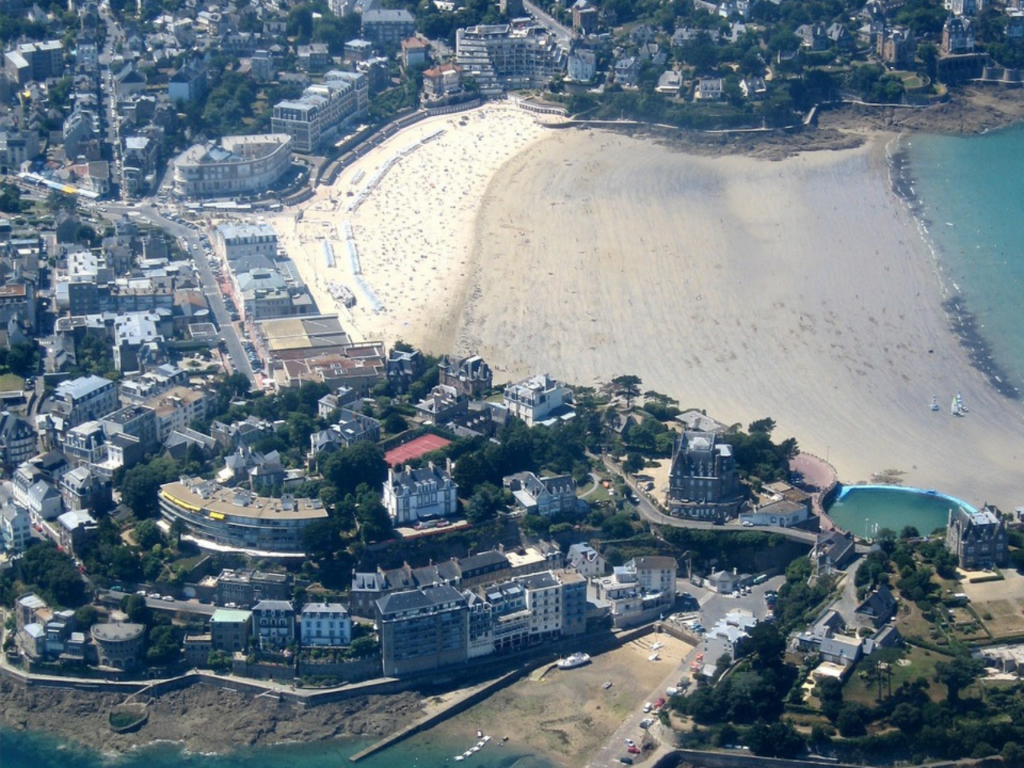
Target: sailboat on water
[955, 408]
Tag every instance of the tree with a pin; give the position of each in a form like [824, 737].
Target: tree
[53, 574]
[617, 527]
[851, 720]
[634, 462]
[360, 463]
[957, 675]
[830, 693]
[10, 198]
[163, 646]
[134, 606]
[86, 616]
[628, 386]
[907, 717]
[148, 534]
[1013, 755]
[763, 426]
[487, 500]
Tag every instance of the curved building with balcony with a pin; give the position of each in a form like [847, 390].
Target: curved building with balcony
[240, 165]
[119, 645]
[236, 520]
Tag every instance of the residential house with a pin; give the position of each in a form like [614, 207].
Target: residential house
[957, 35]
[977, 538]
[708, 89]
[15, 528]
[586, 561]
[471, 376]
[416, 494]
[403, 368]
[325, 625]
[414, 52]
[442, 405]
[833, 551]
[878, 607]
[897, 48]
[538, 399]
[442, 81]
[839, 649]
[813, 37]
[638, 591]
[83, 488]
[753, 88]
[75, 529]
[581, 66]
[17, 441]
[352, 427]
[273, 624]
[544, 496]
[35, 493]
[627, 71]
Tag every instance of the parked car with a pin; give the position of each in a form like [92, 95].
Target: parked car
[634, 750]
[167, 599]
[626, 760]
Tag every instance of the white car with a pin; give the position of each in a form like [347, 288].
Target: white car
[629, 743]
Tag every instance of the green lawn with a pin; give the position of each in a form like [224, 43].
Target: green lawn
[922, 664]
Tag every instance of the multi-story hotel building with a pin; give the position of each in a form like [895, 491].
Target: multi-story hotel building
[229, 519]
[321, 111]
[241, 165]
[236, 241]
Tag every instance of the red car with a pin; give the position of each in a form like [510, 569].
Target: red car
[633, 750]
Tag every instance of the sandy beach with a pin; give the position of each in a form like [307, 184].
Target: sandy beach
[797, 289]
[412, 229]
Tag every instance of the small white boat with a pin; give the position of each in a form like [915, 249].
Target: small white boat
[576, 660]
[473, 750]
[653, 657]
[486, 739]
[935, 403]
[657, 646]
[459, 758]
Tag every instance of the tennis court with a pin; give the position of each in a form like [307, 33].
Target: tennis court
[414, 449]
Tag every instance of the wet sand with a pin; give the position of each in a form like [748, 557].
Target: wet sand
[797, 289]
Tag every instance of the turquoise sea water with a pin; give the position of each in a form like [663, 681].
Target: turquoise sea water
[864, 510]
[35, 750]
[968, 194]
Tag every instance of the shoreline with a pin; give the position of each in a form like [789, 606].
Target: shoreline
[962, 322]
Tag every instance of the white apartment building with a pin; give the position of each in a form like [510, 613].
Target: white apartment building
[240, 165]
[321, 111]
[325, 625]
[414, 494]
[536, 398]
[502, 57]
[544, 601]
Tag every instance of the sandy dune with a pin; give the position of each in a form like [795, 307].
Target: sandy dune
[798, 289]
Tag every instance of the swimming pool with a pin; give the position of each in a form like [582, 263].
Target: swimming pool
[863, 510]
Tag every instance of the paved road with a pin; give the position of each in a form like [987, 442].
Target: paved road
[651, 514]
[564, 33]
[208, 281]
